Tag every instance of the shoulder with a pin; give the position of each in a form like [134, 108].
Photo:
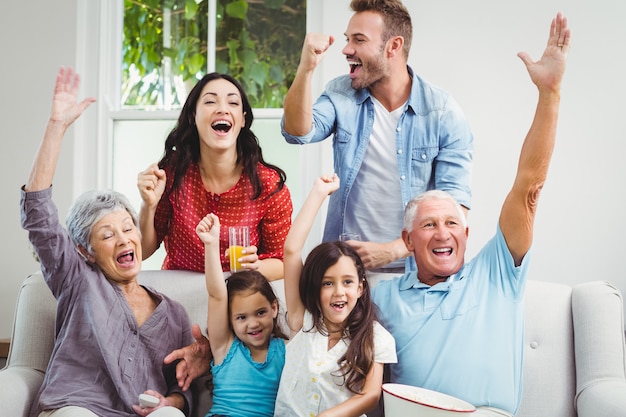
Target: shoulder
[381, 334]
[339, 84]
[277, 345]
[270, 178]
[175, 309]
[386, 285]
[342, 87]
[266, 173]
[423, 85]
[426, 95]
[384, 345]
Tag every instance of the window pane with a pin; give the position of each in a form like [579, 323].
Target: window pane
[165, 48]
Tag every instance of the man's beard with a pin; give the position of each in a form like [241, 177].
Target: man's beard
[371, 73]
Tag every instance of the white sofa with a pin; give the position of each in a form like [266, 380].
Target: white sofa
[575, 360]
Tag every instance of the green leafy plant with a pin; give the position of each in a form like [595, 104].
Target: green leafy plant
[165, 48]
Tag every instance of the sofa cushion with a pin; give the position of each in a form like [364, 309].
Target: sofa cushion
[549, 372]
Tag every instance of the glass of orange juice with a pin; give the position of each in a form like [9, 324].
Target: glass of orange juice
[238, 239]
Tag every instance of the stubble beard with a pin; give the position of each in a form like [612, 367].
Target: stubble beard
[371, 73]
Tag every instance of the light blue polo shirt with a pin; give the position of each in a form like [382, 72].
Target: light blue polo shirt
[465, 336]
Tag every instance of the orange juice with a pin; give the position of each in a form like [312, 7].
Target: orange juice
[234, 253]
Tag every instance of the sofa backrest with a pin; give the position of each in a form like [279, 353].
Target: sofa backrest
[549, 368]
[549, 373]
[33, 328]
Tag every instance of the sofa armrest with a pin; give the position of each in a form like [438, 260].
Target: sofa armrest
[602, 399]
[598, 316]
[19, 389]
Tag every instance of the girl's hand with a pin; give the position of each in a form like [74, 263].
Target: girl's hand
[327, 184]
[208, 230]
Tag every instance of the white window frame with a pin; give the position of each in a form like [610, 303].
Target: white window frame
[99, 39]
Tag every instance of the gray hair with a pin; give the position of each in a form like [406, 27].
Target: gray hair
[410, 211]
[89, 208]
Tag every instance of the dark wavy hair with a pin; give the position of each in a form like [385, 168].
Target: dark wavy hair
[396, 18]
[254, 281]
[182, 146]
[359, 325]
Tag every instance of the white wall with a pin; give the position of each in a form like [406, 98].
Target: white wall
[467, 47]
[37, 38]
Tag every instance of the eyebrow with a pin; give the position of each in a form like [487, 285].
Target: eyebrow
[210, 93]
[355, 34]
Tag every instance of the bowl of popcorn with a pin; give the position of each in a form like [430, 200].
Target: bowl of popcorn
[407, 401]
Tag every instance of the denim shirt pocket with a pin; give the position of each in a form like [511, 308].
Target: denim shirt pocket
[342, 137]
[422, 168]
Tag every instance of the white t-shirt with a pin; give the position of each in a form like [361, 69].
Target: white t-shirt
[374, 207]
[307, 385]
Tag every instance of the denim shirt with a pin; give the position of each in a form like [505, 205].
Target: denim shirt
[434, 144]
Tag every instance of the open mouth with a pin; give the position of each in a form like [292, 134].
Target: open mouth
[338, 305]
[221, 126]
[442, 251]
[353, 66]
[126, 258]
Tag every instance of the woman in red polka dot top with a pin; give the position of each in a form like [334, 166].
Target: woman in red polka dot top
[213, 164]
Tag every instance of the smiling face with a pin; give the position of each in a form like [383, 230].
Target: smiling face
[252, 318]
[438, 240]
[365, 49]
[339, 292]
[219, 115]
[116, 246]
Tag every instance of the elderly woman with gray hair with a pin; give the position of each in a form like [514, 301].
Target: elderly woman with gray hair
[111, 333]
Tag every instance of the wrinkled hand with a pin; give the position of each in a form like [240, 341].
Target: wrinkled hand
[208, 230]
[547, 73]
[195, 359]
[313, 50]
[65, 108]
[151, 184]
[373, 254]
[147, 410]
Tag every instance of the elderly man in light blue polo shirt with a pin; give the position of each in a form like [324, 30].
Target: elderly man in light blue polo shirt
[459, 326]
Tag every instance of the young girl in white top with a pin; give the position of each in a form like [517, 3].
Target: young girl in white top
[334, 362]
[247, 344]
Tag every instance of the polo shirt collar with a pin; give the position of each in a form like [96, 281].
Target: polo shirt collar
[409, 280]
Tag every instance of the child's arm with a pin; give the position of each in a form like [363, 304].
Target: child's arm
[362, 403]
[220, 335]
[294, 243]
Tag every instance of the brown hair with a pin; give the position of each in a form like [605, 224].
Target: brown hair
[359, 325]
[247, 280]
[182, 146]
[396, 19]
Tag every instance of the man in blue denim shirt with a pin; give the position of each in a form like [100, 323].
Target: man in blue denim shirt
[395, 135]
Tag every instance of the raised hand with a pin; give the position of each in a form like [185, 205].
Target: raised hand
[548, 71]
[151, 184]
[327, 184]
[208, 230]
[65, 108]
[314, 49]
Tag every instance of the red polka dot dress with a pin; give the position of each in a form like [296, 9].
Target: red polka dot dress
[268, 217]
